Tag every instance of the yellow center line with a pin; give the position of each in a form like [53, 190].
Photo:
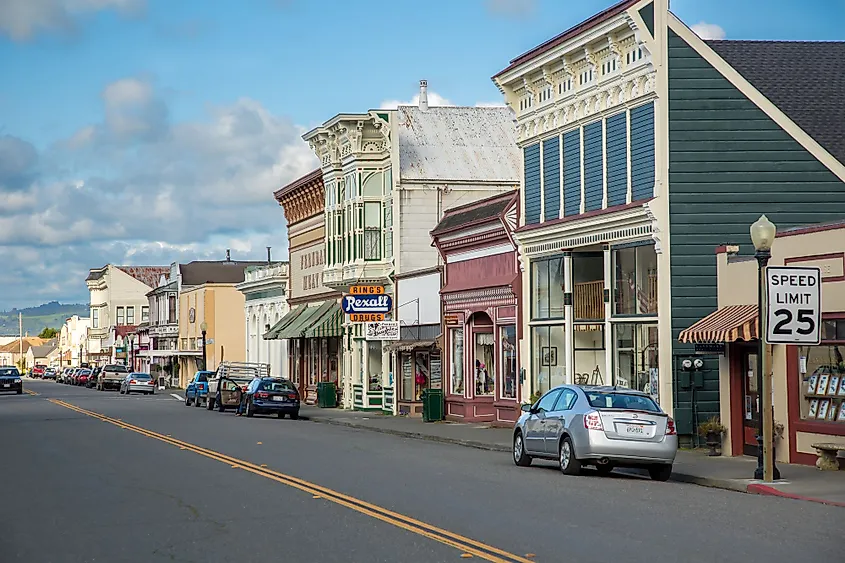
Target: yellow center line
[462, 543]
[28, 392]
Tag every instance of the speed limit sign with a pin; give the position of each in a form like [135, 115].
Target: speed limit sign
[793, 313]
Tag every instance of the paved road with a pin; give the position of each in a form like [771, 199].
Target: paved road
[103, 478]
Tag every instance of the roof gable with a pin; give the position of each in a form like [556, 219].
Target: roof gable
[482, 211]
[804, 79]
[198, 272]
[147, 275]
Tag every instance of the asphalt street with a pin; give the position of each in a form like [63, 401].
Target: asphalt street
[92, 476]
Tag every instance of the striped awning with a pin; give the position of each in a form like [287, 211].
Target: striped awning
[329, 324]
[304, 321]
[284, 322]
[728, 324]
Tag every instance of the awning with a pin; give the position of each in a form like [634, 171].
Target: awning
[304, 321]
[285, 321]
[728, 324]
[407, 345]
[329, 324]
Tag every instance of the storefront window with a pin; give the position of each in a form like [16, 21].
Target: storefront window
[547, 289]
[334, 344]
[374, 365]
[588, 285]
[635, 277]
[407, 377]
[422, 372]
[636, 364]
[507, 339]
[822, 370]
[548, 356]
[457, 360]
[484, 365]
[590, 357]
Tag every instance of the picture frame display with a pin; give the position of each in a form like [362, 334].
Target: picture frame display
[834, 385]
[823, 381]
[824, 406]
[811, 385]
[548, 356]
[814, 408]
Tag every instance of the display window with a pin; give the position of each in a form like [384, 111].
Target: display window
[822, 372]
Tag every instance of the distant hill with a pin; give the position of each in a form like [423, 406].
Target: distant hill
[35, 319]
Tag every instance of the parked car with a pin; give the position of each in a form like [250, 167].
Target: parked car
[92, 379]
[238, 374]
[196, 393]
[38, 371]
[111, 377]
[272, 395]
[605, 427]
[50, 373]
[82, 377]
[10, 380]
[139, 383]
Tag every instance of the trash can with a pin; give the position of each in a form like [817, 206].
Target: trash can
[326, 395]
[432, 400]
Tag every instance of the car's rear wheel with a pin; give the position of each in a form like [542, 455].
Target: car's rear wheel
[209, 403]
[197, 402]
[660, 472]
[280, 414]
[20, 391]
[187, 400]
[250, 412]
[569, 464]
[294, 415]
[520, 458]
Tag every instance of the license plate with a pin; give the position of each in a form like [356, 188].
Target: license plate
[7, 385]
[635, 429]
[278, 398]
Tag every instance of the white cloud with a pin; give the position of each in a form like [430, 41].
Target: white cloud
[137, 188]
[22, 19]
[511, 7]
[708, 30]
[434, 99]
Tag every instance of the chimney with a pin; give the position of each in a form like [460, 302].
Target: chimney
[228, 255]
[423, 95]
[269, 260]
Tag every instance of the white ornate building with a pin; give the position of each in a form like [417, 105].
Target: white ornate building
[265, 292]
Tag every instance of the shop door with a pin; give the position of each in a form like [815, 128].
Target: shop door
[750, 405]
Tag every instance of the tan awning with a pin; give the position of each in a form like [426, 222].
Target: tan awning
[408, 345]
[728, 324]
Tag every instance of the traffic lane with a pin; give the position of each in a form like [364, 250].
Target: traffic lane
[484, 496]
[85, 490]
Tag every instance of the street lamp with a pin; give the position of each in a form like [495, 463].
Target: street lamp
[763, 234]
[203, 329]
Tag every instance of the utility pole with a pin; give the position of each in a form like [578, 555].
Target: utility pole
[20, 340]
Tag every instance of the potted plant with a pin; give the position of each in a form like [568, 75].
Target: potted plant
[712, 431]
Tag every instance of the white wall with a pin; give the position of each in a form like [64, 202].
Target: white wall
[427, 289]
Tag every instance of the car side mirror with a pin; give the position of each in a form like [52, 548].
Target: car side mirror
[526, 408]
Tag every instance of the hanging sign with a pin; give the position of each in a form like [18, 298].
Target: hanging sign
[793, 311]
[366, 290]
[366, 317]
[387, 330]
[367, 304]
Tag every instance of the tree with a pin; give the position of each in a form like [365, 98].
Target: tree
[48, 333]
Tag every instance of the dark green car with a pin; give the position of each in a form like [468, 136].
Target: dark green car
[10, 380]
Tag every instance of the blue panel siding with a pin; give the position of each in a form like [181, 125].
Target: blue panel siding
[532, 184]
[551, 179]
[572, 173]
[642, 152]
[617, 159]
[593, 180]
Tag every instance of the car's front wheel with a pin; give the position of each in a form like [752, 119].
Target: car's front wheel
[660, 472]
[569, 464]
[520, 458]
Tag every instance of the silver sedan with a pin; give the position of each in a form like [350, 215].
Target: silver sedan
[138, 383]
[605, 427]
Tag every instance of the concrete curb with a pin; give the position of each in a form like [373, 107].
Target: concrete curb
[735, 485]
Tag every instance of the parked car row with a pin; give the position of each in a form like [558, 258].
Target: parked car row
[84, 377]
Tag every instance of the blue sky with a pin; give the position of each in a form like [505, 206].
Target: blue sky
[140, 103]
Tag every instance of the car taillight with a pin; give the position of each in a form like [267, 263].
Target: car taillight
[592, 421]
[670, 427]
[150, 382]
[132, 381]
[292, 396]
[262, 395]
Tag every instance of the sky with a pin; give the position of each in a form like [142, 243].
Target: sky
[143, 132]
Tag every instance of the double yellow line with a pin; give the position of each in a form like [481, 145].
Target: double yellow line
[28, 392]
[467, 546]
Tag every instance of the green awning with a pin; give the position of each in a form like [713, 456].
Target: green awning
[329, 324]
[284, 322]
[303, 322]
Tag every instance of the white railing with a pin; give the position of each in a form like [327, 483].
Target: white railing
[259, 273]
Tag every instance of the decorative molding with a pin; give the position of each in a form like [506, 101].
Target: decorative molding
[655, 229]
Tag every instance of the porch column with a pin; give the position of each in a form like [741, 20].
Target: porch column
[569, 321]
[608, 312]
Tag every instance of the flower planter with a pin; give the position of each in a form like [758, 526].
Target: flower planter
[713, 440]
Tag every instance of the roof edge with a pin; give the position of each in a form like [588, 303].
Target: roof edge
[311, 177]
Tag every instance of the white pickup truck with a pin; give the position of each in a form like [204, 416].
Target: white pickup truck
[111, 377]
[230, 381]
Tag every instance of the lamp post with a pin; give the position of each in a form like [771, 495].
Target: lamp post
[203, 329]
[763, 234]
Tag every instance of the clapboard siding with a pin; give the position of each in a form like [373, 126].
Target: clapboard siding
[617, 159]
[551, 179]
[728, 164]
[642, 152]
[532, 184]
[593, 167]
[572, 173]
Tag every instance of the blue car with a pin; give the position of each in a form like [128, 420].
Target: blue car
[197, 390]
[272, 395]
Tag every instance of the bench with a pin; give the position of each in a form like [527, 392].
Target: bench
[827, 456]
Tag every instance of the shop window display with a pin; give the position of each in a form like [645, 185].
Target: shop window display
[507, 339]
[635, 278]
[548, 358]
[457, 360]
[485, 369]
[822, 371]
[636, 357]
[374, 365]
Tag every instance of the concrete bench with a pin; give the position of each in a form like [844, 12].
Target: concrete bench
[827, 456]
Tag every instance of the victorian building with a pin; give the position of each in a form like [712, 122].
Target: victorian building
[72, 337]
[313, 328]
[644, 147]
[388, 175]
[163, 329]
[265, 303]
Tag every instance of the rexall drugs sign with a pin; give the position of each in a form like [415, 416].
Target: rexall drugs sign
[353, 304]
[793, 311]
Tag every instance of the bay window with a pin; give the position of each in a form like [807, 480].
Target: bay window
[635, 280]
[507, 342]
[372, 231]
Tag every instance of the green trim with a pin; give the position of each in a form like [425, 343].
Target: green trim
[304, 321]
[284, 322]
[329, 324]
[264, 294]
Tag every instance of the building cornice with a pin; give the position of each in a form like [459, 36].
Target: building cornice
[303, 198]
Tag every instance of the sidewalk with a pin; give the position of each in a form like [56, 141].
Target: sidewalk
[732, 473]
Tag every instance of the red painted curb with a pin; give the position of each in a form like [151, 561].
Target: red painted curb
[758, 489]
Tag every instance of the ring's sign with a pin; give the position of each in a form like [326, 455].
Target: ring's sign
[364, 304]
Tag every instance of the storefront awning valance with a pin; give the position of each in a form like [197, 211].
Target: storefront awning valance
[408, 345]
[728, 324]
[329, 324]
[285, 321]
[304, 321]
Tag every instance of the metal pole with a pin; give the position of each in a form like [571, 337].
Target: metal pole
[204, 367]
[766, 469]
